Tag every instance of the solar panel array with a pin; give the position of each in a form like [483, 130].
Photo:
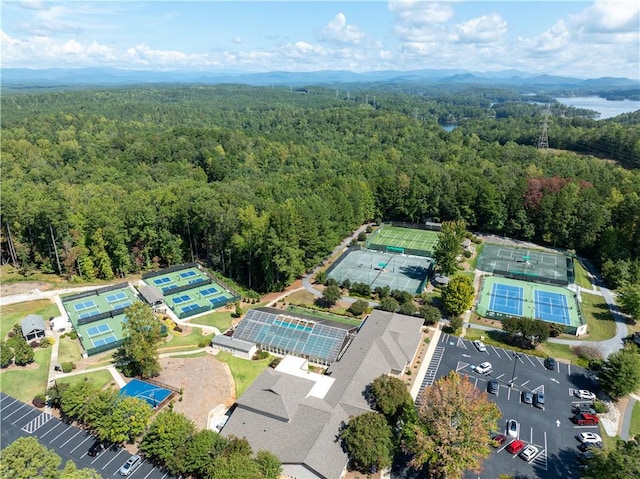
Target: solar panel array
[290, 335]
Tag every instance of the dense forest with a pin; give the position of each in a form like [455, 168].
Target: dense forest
[262, 183]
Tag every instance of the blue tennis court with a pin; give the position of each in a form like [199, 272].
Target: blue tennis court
[506, 299]
[98, 330]
[182, 299]
[114, 298]
[196, 280]
[154, 395]
[161, 281]
[191, 307]
[218, 300]
[208, 291]
[551, 307]
[86, 305]
[187, 274]
[169, 288]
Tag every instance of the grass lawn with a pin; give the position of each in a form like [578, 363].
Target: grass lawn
[100, 378]
[69, 350]
[473, 262]
[563, 351]
[634, 427]
[300, 297]
[323, 315]
[24, 384]
[13, 313]
[582, 277]
[596, 311]
[244, 371]
[178, 342]
[221, 320]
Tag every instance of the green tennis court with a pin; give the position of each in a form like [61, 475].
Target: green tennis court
[410, 240]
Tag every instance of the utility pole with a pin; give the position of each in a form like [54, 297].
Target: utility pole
[515, 363]
[543, 139]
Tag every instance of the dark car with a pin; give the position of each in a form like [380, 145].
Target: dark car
[527, 397]
[586, 446]
[550, 363]
[96, 449]
[492, 387]
[499, 440]
[584, 408]
[538, 400]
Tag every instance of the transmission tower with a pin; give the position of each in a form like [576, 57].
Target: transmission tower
[543, 139]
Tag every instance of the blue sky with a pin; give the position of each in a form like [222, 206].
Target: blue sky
[585, 39]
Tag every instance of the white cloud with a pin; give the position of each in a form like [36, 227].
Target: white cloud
[484, 29]
[420, 13]
[337, 30]
[237, 40]
[610, 16]
[33, 4]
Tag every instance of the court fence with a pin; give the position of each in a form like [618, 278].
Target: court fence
[170, 269]
[99, 316]
[103, 348]
[95, 292]
[535, 278]
[427, 225]
[408, 251]
[187, 287]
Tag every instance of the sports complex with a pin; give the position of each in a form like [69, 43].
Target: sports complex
[188, 291]
[394, 256]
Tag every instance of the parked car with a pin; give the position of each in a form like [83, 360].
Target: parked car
[515, 447]
[96, 448]
[131, 465]
[512, 428]
[584, 394]
[538, 400]
[480, 346]
[484, 368]
[584, 408]
[499, 440]
[586, 447]
[585, 419]
[550, 363]
[527, 397]
[492, 387]
[589, 437]
[529, 452]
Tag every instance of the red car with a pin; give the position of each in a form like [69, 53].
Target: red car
[586, 419]
[515, 447]
[499, 440]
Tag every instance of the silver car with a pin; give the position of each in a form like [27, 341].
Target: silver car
[512, 428]
[480, 346]
[484, 368]
[131, 465]
[529, 452]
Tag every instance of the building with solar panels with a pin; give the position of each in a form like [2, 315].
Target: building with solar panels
[320, 341]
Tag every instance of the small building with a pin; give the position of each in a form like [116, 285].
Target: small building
[152, 295]
[33, 327]
[467, 245]
[237, 347]
[440, 280]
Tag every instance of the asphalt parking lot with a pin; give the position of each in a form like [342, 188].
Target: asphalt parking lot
[18, 419]
[549, 429]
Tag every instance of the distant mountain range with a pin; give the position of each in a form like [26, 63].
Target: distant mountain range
[25, 78]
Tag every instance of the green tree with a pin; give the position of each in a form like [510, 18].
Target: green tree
[167, 433]
[269, 465]
[620, 462]
[74, 402]
[368, 440]
[390, 395]
[331, 294]
[359, 307]
[235, 466]
[389, 304]
[430, 314]
[6, 355]
[26, 458]
[23, 353]
[449, 246]
[458, 295]
[629, 299]
[195, 455]
[138, 355]
[408, 308]
[620, 372]
[452, 431]
[126, 420]
[71, 471]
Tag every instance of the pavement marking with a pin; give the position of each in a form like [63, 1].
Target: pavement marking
[460, 366]
[22, 417]
[37, 423]
[87, 438]
[569, 369]
[154, 468]
[444, 338]
[555, 380]
[114, 457]
[65, 443]
[527, 356]
[9, 415]
[494, 349]
[539, 389]
[69, 428]
[461, 344]
[5, 407]
[523, 384]
[59, 424]
[498, 377]
[434, 364]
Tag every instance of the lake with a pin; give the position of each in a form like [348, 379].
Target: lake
[606, 108]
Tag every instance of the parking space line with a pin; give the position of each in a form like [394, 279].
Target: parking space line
[460, 366]
[498, 377]
[569, 369]
[444, 338]
[114, 457]
[50, 430]
[22, 417]
[86, 439]
[527, 356]
[523, 384]
[154, 468]
[65, 443]
[462, 344]
[9, 415]
[5, 407]
[165, 475]
[36, 423]
[69, 428]
[494, 349]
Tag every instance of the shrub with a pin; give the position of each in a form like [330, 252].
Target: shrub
[600, 407]
[68, 367]
[11, 334]
[73, 334]
[261, 355]
[362, 236]
[274, 362]
[39, 401]
[408, 308]
[358, 308]
[369, 229]
[467, 254]
[204, 342]
[346, 284]
[177, 328]
[455, 323]
[587, 352]
[34, 344]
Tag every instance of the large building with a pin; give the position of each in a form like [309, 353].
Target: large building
[297, 415]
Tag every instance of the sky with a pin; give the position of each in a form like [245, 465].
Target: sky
[584, 39]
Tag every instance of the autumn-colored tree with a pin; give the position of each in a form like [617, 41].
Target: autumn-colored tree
[451, 434]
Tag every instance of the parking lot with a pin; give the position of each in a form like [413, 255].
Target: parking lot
[69, 442]
[548, 428]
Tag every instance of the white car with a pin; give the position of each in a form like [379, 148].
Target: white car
[529, 452]
[480, 346]
[512, 428]
[589, 437]
[484, 368]
[131, 465]
[584, 394]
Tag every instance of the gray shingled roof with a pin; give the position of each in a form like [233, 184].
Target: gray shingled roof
[231, 342]
[151, 294]
[306, 432]
[31, 323]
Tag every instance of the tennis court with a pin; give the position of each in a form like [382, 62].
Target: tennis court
[100, 335]
[527, 264]
[503, 297]
[375, 268]
[410, 240]
[151, 393]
